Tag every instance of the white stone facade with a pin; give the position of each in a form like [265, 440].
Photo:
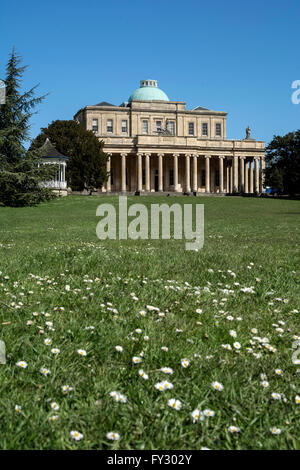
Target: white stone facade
[159, 145]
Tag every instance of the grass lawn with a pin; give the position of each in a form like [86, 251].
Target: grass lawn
[60, 285]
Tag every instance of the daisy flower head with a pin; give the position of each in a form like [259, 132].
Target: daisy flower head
[113, 436]
[265, 384]
[185, 363]
[196, 415]
[217, 386]
[76, 435]
[136, 360]
[55, 351]
[81, 352]
[278, 372]
[22, 364]
[45, 371]
[160, 386]
[233, 333]
[119, 348]
[53, 418]
[176, 404]
[164, 348]
[237, 345]
[167, 370]
[276, 396]
[18, 409]
[208, 413]
[66, 388]
[54, 406]
[143, 374]
[275, 430]
[48, 341]
[233, 429]
[297, 399]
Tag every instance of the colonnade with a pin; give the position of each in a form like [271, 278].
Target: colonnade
[235, 173]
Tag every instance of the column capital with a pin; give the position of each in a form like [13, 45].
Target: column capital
[147, 154]
[139, 154]
[187, 154]
[123, 154]
[221, 157]
[242, 157]
[175, 154]
[207, 156]
[109, 154]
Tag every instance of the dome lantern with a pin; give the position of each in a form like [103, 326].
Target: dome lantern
[148, 91]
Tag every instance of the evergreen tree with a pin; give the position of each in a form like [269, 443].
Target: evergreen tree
[86, 167]
[21, 173]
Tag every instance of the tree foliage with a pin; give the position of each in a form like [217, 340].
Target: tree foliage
[86, 168]
[283, 163]
[21, 173]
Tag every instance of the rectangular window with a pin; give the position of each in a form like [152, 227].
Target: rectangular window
[217, 178]
[171, 176]
[109, 125]
[171, 126]
[145, 127]
[191, 128]
[158, 125]
[95, 125]
[124, 125]
[204, 128]
[203, 175]
[218, 129]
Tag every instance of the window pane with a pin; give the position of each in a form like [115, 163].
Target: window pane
[145, 127]
[124, 126]
[218, 129]
[204, 128]
[191, 128]
[109, 125]
[172, 127]
[95, 125]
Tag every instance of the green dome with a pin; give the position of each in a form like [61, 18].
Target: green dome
[148, 91]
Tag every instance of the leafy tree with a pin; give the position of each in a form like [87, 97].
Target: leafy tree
[21, 173]
[86, 168]
[283, 163]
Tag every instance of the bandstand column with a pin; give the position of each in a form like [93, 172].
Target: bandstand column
[123, 172]
[207, 173]
[187, 173]
[147, 171]
[221, 174]
[195, 174]
[175, 169]
[251, 176]
[160, 171]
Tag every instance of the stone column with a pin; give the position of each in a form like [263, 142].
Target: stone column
[235, 174]
[123, 172]
[195, 174]
[221, 174]
[160, 172]
[187, 173]
[175, 175]
[207, 173]
[251, 189]
[108, 169]
[139, 172]
[256, 174]
[246, 190]
[147, 171]
[227, 177]
[262, 175]
[242, 174]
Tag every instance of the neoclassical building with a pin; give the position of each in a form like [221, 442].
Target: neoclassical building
[155, 144]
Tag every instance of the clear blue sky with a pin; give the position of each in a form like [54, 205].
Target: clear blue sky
[234, 56]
